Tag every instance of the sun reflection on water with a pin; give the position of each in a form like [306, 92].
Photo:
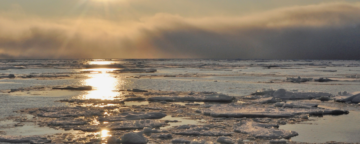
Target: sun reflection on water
[105, 85]
[100, 62]
[104, 133]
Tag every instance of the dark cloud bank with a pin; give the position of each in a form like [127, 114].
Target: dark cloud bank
[327, 31]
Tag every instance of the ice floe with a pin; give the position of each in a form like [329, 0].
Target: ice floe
[289, 95]
[180, 141]
[298, 79]
[58, 112]
[95, 101]
[323, 80]
[7, 76]
[262, 131]
[67, 121]
[238, 111]
[133, 116]
[195, 130]
[204, 98]
[136, 70]
[133, 138]
[74, 88]
[162, 136]
[225, 140]
[24, 139]
[136, 124]
[44, 76]
[348, 99]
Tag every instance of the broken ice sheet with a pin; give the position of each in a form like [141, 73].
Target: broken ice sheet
[272, 96]
[177, 121]
[252, 111]
[133, 116]
[136, 124]
[58, 112]
[262, 131]
[201, 130]
[211, 98]
[24, 139]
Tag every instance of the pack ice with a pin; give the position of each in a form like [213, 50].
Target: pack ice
[262, 131]
[252, 111]
[133, 116]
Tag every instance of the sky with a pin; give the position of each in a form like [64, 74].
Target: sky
[227, 29]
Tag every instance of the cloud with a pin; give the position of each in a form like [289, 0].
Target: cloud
[325, 31]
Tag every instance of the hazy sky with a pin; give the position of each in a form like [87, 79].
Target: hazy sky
[265, 29]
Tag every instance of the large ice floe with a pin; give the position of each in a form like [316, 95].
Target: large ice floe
[348, 99]
[133, 138]
[133, 116]
[251, 111]
[282, 94]
[94, 101]
[124, 125]
[7, 76]
[136, 70]
[262, 131]
[45, 76]
[74, 88]
[24, 139]
[203, 97]
[195, 130]
[59, 112]
[298, 79]
[136, 124]
[67, 121]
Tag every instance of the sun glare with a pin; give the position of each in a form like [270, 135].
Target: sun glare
[100, 62]
[105, 133]
[104, 85]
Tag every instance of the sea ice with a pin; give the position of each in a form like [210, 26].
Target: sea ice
[116, 101]
[67, 121]
[136, 124]
[7, 76]
[295, 105]
[45, 76]
[238, 111]
[262, 131]
[133, 116]
[149, 130]
[225, 140]
[74, 88]
[58, 112]
[24, 139]
[205, 98]
[298, 80]
[136, 70]
[323, 80]
[266, 100]
[180, 141]
[288, 95]
[135, 99]
[133, 138]
[12, 67]
[194, 130]
[201, 142]
[88, 128]
[162, 136]
[349, 99]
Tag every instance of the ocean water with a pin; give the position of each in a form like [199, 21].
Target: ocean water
[232, 77]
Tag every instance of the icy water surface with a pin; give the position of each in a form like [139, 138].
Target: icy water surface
[113, 81]
[328, 128]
